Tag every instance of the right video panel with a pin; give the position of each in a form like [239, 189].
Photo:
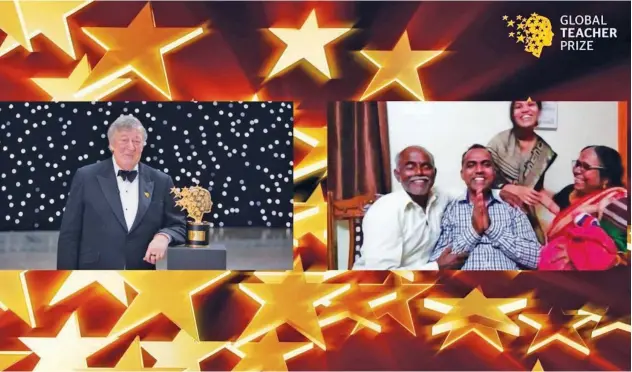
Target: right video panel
[520, 185]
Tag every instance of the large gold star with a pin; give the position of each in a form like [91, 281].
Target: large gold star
[68, 350]
[111, 281]
[563, 332]
[183, 352]
[166, 292]
[288, 298]
[132, 360]
[396, 299]
[475, 313]
[268, 354]
[311, 217]
[66, 89]
[138, 48]
[307, 43]
[14, 295]
[398, 66]
[23, 20]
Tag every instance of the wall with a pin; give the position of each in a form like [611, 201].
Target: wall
[448, 128]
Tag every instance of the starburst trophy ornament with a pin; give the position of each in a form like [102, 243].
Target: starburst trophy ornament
[197, 201]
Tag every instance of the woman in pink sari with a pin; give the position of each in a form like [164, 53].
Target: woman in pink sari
[586, 234]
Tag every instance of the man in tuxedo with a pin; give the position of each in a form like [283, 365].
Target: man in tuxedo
[120, 214]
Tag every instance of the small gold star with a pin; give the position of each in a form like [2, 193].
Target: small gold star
[505, 18]
[475, 313]
[268, 354]
[398, 65]
[510, 24]
[511, 34]
[183, 352]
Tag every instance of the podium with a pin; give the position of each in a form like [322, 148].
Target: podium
[182, 257]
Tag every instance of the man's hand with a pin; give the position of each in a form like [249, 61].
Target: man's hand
[511, 199]
[157, 248]
[480, 216]
[528, 195]
[449, 261]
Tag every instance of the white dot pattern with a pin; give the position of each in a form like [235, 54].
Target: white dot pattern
[231, 148]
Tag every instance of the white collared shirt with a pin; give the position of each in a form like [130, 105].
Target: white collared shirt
[128, 193]
[399, 234]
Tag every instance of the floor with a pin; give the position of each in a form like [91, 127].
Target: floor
[247, 249]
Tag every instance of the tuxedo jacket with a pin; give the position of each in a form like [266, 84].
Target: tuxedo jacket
[93, 233]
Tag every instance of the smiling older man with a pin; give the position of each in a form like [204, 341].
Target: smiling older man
[120, 213]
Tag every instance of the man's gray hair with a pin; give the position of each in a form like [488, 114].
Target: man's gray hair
[126, 122]
[398, 155]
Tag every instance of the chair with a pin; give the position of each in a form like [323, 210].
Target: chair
[350, 210]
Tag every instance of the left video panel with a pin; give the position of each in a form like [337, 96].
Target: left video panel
[146, 185]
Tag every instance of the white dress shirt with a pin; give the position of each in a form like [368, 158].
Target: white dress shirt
[399, 234]
[128, 192]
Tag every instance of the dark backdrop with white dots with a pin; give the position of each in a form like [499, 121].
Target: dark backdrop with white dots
[240, 151]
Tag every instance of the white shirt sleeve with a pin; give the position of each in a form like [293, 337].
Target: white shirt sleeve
[383, 241]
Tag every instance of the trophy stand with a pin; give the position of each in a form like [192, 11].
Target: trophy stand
[197, 253]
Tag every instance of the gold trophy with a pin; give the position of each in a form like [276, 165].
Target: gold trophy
[197, 201]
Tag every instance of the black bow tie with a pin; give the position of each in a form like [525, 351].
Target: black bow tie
[127, 175]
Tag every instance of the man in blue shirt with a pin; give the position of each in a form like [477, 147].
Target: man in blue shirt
[496, 235]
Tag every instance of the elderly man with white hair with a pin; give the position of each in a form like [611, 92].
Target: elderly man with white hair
[120, 214]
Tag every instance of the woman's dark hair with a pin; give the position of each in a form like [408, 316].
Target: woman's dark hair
[611, 162]
[511, 109]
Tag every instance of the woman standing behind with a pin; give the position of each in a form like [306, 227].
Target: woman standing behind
[522, 158]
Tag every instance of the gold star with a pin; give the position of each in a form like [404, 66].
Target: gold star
[520, 39]
[537, 367]
[268, 354]
[307, 43]
[14, 296]
[23, 20]
[398, 66]
[166, 292]
[521, 26]
[66, 89]
[9, 358]
[510, 24]
[132, 360]
[68, 350]
[511, 34]
[608, 325]
[355, 304]
[519, 17]
[138, 48]
[311, 217]
[534, 14]
[111, 281]
[396, 301]
[315, 163]
[183, 352]
[505, 18]
[287, 298]
[475, 313]
[563, 332]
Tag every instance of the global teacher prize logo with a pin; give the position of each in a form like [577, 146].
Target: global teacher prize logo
[578, 32]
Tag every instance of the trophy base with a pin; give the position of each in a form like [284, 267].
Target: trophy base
[182, 257]
[198, 234]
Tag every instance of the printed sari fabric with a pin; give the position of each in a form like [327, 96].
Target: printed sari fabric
[514, 167]
[578, 241]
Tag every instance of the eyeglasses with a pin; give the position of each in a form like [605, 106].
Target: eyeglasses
[584, 166]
